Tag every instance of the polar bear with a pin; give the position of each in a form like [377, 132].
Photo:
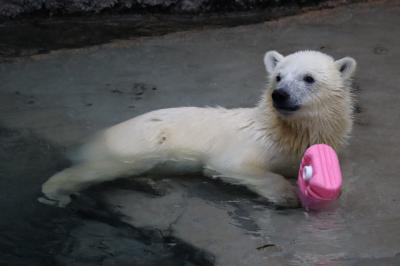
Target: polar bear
[307, 101]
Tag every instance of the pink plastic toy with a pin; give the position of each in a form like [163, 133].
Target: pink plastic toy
[320, 178]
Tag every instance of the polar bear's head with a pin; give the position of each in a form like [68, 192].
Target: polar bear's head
[307, 82]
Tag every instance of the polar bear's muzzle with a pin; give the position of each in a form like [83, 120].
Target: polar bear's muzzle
[283, 102]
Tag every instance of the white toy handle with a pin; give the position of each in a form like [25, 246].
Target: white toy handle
[307, 172]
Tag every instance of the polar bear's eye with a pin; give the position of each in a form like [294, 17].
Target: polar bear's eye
[308, 79]
[278, 78]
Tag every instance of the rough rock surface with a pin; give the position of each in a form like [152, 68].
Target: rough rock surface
[12, 8]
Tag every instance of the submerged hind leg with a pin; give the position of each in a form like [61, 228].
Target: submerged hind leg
[76, 178]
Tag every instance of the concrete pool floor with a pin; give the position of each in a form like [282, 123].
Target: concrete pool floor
[52, 102]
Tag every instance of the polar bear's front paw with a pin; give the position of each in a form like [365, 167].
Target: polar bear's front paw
[286, 198]
[280, 193]
[287, 201]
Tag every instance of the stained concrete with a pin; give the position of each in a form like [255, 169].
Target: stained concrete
[52, 102]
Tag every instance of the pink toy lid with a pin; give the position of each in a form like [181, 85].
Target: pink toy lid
[323, 178]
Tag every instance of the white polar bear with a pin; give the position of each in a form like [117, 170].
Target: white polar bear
[308, 101]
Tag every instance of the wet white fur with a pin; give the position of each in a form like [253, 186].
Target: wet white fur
[247, 146]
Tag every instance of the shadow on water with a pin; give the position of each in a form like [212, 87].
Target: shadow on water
[86, 233]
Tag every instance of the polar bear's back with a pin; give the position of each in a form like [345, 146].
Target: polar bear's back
[171, 133]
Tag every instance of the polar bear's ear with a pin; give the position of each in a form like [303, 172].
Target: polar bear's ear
[346, 66]
[271, 59]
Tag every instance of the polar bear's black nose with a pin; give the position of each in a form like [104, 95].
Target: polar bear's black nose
[280, 97]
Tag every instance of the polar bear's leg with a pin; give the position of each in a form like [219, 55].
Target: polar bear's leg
[273, 187]
[76, 178]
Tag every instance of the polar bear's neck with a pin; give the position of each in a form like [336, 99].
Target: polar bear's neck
[330, 125]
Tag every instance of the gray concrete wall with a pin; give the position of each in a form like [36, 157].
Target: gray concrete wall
[13, 8]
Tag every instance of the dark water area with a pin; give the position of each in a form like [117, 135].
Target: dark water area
[85, 233]
[40, 34]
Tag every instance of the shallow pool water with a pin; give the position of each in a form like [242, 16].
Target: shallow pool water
[52, 102]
